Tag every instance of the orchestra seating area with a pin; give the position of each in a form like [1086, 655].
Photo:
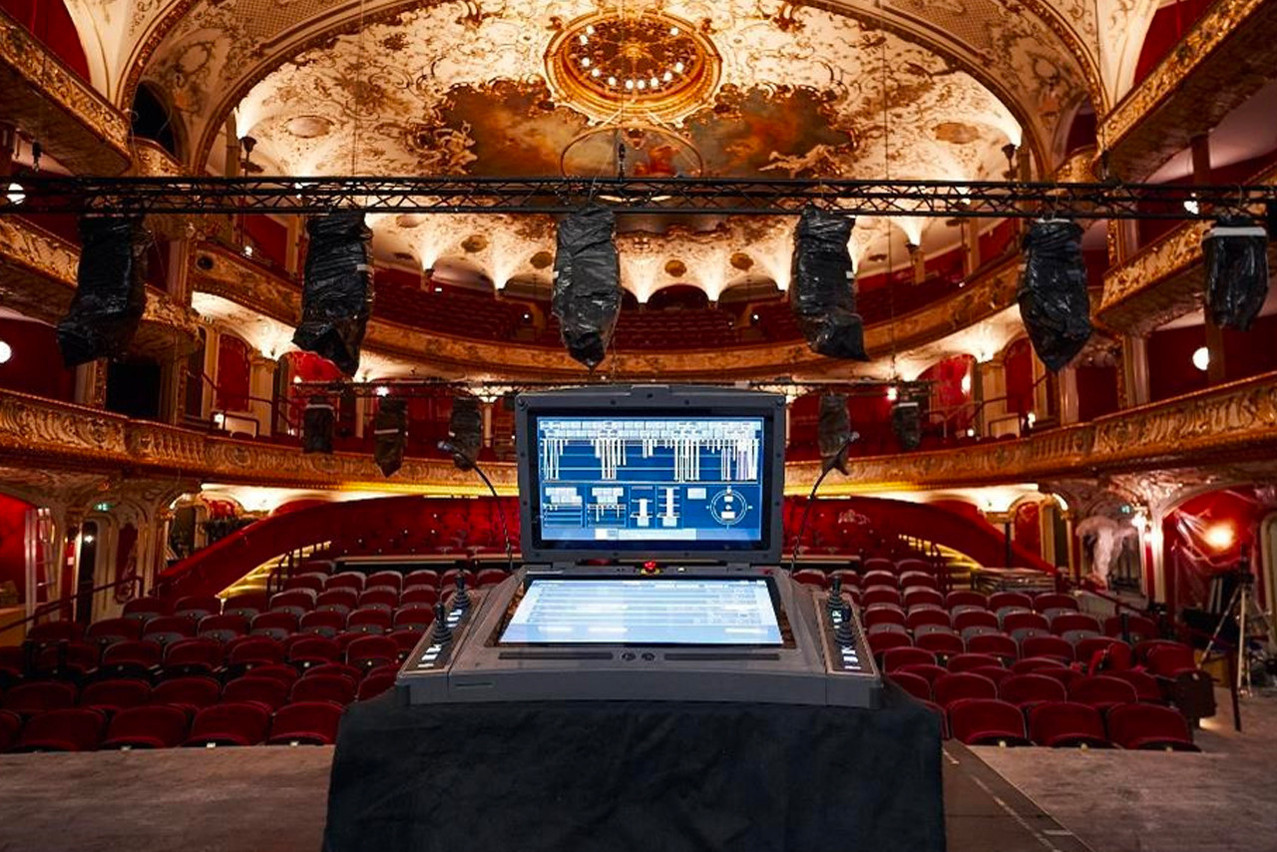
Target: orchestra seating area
[278, 668]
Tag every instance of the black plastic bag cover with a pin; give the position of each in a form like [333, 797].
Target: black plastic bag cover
[318, 423]
[587, 283]
[1054, 304]
[337, 289]
[1236, 254]
[465, 426]
[390, 432]
[834, 430]
[822, 287]
[906, 421]
[110, 293]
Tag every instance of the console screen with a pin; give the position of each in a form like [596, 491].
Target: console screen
[635, 481]
[645, 611]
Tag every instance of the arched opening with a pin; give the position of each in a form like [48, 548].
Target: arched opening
[678, 297]
[152, 120]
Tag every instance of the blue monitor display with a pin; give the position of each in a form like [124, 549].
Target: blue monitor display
[645, 611]
[635, 481]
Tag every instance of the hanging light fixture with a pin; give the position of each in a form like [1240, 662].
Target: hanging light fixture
[1054, 303]
[1236, 254]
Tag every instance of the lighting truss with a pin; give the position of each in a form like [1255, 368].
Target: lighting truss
[549, 195]
[492, 391]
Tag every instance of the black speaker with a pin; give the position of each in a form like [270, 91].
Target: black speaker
[587, 283]
[390, 434]
[834, 430]
[906, 422]
[319, 420]
[1236, 253]
[110, 292]
[822, 291]
[337, 288]
[465, 430]
[1053, 300]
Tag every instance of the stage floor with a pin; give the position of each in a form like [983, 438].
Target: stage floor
[997, 800]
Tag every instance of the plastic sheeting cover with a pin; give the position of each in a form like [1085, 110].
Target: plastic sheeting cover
[821, 292]
[110, 293]
[587, 283]
[390, 433]
[465, 426]
[318, 422]
[337, 290]
[834, 430]
[1053, 300]
[906, 422]
[1236, 254]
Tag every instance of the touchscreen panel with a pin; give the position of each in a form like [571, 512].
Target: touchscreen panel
[645, 611]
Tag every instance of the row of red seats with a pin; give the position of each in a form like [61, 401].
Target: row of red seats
[1064, 724]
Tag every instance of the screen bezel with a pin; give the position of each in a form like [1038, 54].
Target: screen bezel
[652, 402]
[778, 607]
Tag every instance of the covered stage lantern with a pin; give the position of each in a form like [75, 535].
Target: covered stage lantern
[1236, 254]
[110, 293]
[587, 283]
[1053, 300]
[337, 289]
[319, 421]
[390, 432]
[906, 422]
[834, 430]
[822, 290]
[465, 431]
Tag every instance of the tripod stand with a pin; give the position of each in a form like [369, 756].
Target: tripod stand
[1243, 610]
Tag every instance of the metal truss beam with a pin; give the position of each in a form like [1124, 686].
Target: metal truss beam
[661, 196]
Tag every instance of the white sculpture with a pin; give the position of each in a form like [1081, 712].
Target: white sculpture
[1109, 535]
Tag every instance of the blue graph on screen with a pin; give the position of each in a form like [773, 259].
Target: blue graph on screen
[650, 479]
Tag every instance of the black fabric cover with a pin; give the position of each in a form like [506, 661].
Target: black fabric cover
[318, 423]
[110, 292]
[822, 291]
[635, 777]
[906, 421]
[1053, 299]
[390, 433]
[465, 428]
[834, 430]
[337, 288]
[587, 283]
[1236, 254]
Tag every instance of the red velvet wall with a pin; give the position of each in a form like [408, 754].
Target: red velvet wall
[1018, 366]
[1096, 391]
[13, 564]
[997, 241]
[49, 21]
[233, 374]
[948, 400]
[1170, 354]
[270, 239]
[1168, 27]
[36, 364]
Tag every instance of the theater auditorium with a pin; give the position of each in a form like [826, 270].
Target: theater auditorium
[610, 425]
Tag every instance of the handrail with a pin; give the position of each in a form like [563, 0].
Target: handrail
[50, 606]
[275, 404]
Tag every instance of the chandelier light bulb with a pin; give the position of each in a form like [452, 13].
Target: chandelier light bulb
[1201, 358]
[17, 194]
[668, 76]
[629, 84]
[673, 31]
[585, 39]
[585, 62]
[678, 67]
[611, 81]
[642, 84]
[596, 72]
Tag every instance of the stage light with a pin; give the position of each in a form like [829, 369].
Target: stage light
[465, 432]
[822, 287]
[1236, 253]
[337, 288]
[587, 283]
[110, 293]
[17, 194]
[318, 422]
[1220, 536]
[834, 430]
[6, 352]
[906, 422]
[1054, 303]
[390, 434]
[1201, 358]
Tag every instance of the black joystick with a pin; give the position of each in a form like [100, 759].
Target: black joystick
[842, 633]
[442, 633]
[461, 600]
[835, 594]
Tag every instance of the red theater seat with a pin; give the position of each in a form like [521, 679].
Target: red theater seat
[1024, 620]
[1027, 690]
[312, 581]
[52, 632]
[392, 579]
[146, 608]
[10, 725]
[963, 597]
[222, 628]
[111, 630]
[30, 699]
[958, 686]
[897, 658]
[967, 661]
[879, 595]
[351, 673]
[1146, 686]
[346, 580]
[266, 691]
[377, 681]
[198, 606]
[277, 624]
[491, 577]
[1171, 661]
[167, 629]
[1102, 692]
[996, 644]
[298, 602]
[247, 604]
[1067, 622]
[886, 640]
[997, 674]
[192, 657]
[379, 596]
[254, 651]
[414, 618]
[190, 693]
[156, 726]
[964, 618]
[915, 685]
[987, 721]
[1112, 654]
[132, 658]
[1053, 600]
[1027, 665]
[307, 722]
[62, 730]
[373, 617]
[998, 600]
[1149, 726]
[425, 596]
[111, 696]
[336, 689]
[1137, 627]
[879, 578]
[1061, 724]
[811, 577]
[920, 580]
[281, 672]
[1046, 646]
[927, 671]
[916, 596]
[368, 652]
[850, 579]
[944, 644]
[426, 578]
[309, 651]
[229, 724]
[884, 613]
[342, 600]
[68, 659]
[324, 622]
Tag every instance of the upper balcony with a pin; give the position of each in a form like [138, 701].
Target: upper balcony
[1229, 423]
[1224, 58]
[45, 98]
